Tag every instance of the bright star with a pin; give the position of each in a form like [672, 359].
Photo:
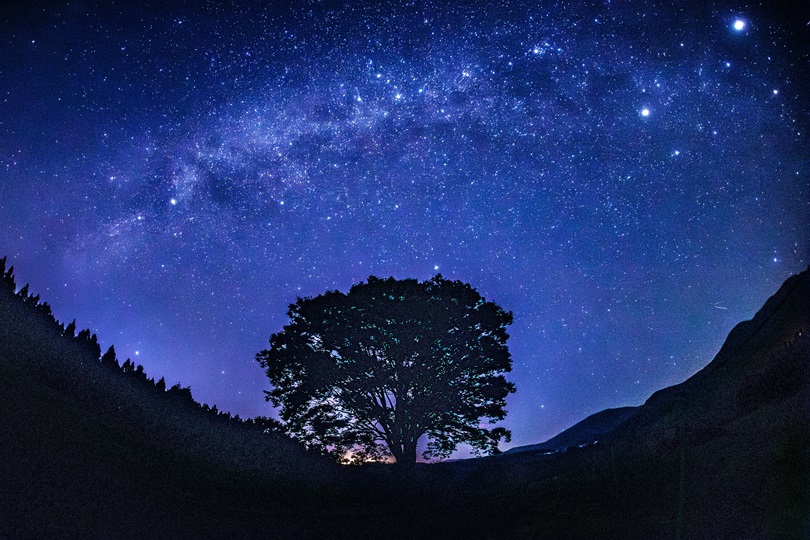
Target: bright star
[739, 25]
[645, 112]
[173, 202]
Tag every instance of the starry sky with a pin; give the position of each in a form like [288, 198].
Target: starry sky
[630, 179]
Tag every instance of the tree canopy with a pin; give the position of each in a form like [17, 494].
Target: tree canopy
[364, 375]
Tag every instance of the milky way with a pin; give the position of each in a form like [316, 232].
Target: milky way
[628, 178]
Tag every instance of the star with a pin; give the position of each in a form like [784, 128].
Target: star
[739, 25]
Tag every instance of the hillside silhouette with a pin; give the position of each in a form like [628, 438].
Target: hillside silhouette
[725, 454]
[92, 448]
[584, 432]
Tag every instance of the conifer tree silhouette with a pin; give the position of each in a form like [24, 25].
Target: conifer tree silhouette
[70, 329]
[109, 358]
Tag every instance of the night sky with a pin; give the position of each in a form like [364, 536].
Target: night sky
[630, 179]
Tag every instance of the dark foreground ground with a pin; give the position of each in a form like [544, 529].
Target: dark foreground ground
[89, 450]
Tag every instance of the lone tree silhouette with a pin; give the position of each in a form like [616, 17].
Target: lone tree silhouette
[364, 375]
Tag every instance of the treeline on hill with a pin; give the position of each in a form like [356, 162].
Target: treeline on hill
[97, 448]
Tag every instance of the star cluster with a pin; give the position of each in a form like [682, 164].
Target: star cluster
[630, 179]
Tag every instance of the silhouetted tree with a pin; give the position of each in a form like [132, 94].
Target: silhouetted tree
[267, 424]
[88, 341]
[109, 358]
[366, 374]
[183, 394]
[70, 329]
[45, 307]
[7, 276]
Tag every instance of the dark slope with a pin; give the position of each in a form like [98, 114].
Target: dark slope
[756, 368]
[722, 455]
[762, 362]
[740, 427]
[88, 449]
[585, 432]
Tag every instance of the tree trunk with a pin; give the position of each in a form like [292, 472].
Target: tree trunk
[406, 461]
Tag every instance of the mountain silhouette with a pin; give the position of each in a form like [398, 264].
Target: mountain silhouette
[725, 454]
[587, 431]
[763, 362]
